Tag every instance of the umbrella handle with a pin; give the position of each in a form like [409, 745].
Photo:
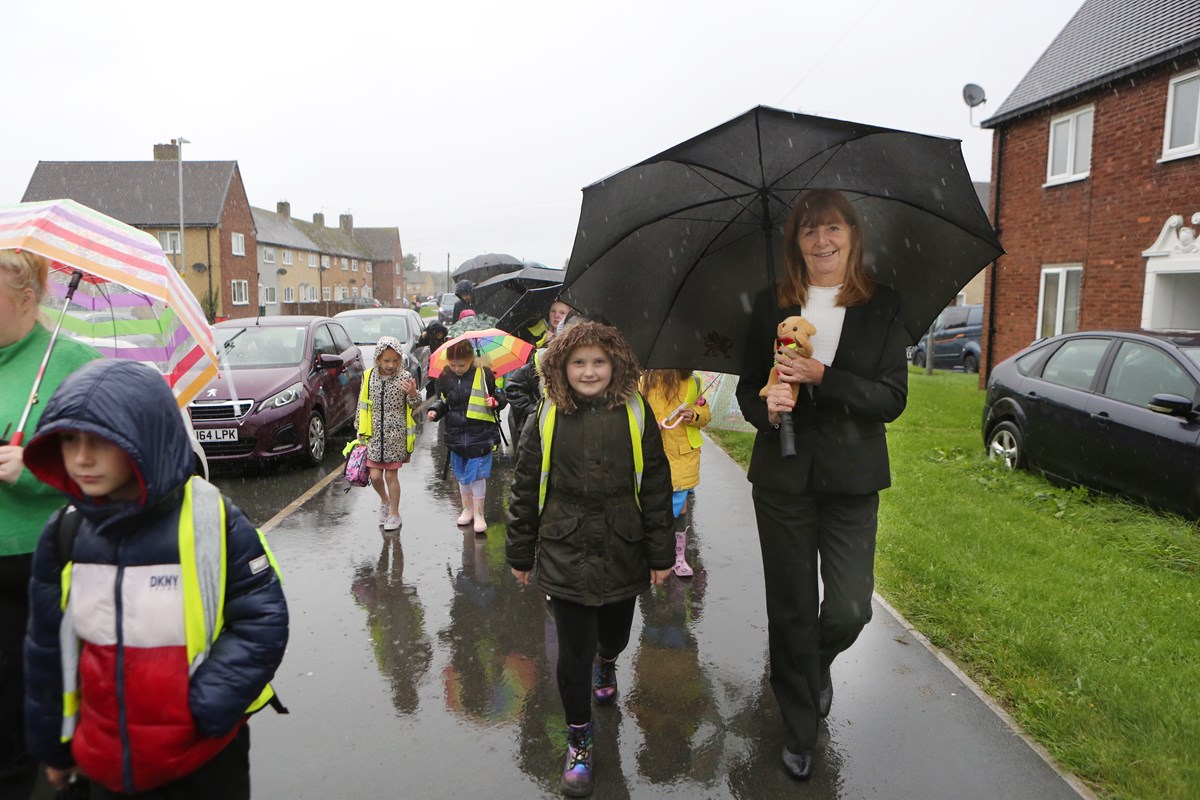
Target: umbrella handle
[787, 435]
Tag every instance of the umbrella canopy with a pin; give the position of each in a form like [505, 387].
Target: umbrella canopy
[529, 307]
[482, 267]
[130, 304]
[673, 250]
[503, 351]
[497, 294]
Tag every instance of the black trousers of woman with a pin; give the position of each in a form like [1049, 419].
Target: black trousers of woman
[18, 770]
[582, 632]
[806, 632]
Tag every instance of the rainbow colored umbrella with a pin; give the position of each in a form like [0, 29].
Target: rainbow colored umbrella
[131, 303]
[501, 351]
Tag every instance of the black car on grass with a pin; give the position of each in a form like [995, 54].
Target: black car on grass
[1114, 411]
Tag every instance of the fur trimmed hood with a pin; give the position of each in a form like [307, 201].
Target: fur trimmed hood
[625, 367]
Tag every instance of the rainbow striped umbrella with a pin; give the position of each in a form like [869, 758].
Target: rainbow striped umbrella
[131, 303]
[502, 352]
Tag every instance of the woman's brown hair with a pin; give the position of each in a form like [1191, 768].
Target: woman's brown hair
[625, 367]
[667, 382]
[823, 207]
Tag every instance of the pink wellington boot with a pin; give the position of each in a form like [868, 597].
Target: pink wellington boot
[681, 568]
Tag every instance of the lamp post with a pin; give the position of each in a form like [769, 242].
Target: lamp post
[180, 142]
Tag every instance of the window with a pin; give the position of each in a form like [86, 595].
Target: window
[312, 260]
[346, 265]
[304, 293]
[169, 241]
[340, 338]
[268, 255]
[354, 291]
[343, 293]
[1141, 371]
[323, 342]
[1070, 152]
[1181, 136]
[354, 265]
[367, 266]
[241, 293]
[1058, 303]
[397, 266]
[324, 262]
[287, 258]
[239, 244]
[266, 295]
[1075, 363]
[399, 293]
[289, 294]
[326, 293]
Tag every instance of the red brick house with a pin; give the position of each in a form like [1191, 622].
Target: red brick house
[218, 259]
[1095, 170]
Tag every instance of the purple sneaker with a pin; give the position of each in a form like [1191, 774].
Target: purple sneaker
[577, 772]
[604, 681]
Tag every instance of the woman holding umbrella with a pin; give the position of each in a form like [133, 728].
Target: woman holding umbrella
[820, 506]
[27, 503]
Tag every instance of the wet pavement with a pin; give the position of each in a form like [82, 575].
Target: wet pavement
[418, 667]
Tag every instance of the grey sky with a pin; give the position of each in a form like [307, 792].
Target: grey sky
[472, 126]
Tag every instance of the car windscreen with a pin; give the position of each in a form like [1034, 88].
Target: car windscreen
[1192, 352]
[369, 328]
[261, 346]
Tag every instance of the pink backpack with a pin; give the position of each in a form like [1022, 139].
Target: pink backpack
[357, 473]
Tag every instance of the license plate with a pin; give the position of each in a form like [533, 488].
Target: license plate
[216, 434]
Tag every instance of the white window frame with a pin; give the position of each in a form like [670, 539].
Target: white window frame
[366, 291]
[287, 258]
[268, 255]
[367, 265]
[312, 260]
[1182, 151]
[240, 292]
[170, 244]
[399, 293]
[354, 265]
[326, 293]
[1072, 119]
[266, 296]
[346, 264]
[324, 262]
[1059, 311]
[289, 294]
[238, 243]
[354, 291]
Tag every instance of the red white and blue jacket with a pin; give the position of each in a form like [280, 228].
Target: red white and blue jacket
[142, 720]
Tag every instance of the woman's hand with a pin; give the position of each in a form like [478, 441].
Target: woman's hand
[796, 368]
[59, 778]
[522, 576]
[659, 576]
[432, 416]
[779, 399]
[12, 461]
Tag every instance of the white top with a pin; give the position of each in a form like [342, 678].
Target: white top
[827, 318]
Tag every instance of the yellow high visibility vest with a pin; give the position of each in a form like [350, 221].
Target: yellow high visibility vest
[365, 424]
[477, 407]
[547, 412]
[693, 394]
[202, 577]
[538, 331]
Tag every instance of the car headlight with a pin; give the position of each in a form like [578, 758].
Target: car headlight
[280, 399]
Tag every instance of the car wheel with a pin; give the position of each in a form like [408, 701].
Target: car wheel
[1008, 443]
[314, 452]
[971, 363]
[918, 359]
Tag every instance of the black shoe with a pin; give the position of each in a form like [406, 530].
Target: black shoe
[825, 698]
[797, 765]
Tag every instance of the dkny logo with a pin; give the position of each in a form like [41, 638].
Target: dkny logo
[164, 581]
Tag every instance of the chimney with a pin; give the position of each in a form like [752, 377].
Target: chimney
[346, 223]
[319, 219]
[167, 152]
[284, 209]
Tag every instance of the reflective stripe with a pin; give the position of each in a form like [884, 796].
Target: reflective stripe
[364, 404]
[693, 394]
[477, 407]
[538, 331]
[68, 645]
[636, 414]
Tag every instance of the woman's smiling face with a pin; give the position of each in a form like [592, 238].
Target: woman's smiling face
[826, 249]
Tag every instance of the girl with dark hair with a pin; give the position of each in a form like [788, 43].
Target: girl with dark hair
[817, 510]
[591, 502]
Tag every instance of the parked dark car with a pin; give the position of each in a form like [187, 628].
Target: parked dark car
[446, 307]
[296, 380]
[1117, 412]
[957, 334]
[367, 325]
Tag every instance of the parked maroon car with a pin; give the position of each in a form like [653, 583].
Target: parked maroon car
[295, 379]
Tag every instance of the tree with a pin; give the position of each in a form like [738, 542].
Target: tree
[410, 262]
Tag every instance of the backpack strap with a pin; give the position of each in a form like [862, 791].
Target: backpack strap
[66, 528]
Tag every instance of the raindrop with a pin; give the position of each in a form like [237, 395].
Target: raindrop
[790, 144]
[670, 252]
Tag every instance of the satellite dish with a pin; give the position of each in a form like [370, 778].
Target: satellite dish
[973, 95]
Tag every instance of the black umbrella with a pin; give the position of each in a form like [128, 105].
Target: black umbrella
[482, 267]
[497, 294]
[673, 250]
[530, 307]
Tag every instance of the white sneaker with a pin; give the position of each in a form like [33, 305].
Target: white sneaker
[383, 515]
[392, 523]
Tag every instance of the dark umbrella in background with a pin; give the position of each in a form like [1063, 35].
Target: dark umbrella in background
[673, 250]
[482, 267]
[530, 307]
[497, 294]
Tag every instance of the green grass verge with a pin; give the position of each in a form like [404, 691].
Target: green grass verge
[426, 313]
[1078, 614]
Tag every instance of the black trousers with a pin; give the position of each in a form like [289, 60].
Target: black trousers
[582, 632]
[805, 632]
[225, 776]
[18, 770]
